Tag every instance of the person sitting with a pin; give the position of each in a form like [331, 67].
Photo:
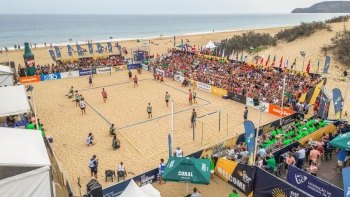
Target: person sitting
[115, 142]
[271, 163]
[184, 83]
[89, 139]
[121, 169]
[70, 95]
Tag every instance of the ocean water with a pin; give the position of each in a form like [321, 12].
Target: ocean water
[58, 29]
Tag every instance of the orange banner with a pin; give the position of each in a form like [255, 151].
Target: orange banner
[29, 79]
[276, 110]
[218, 91]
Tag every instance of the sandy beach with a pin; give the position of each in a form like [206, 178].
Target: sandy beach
[143, 144]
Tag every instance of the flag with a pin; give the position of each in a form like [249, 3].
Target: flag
[193, 48]
[308, 67]
[246, 56]
[338, 102]
[256, 59]
[58, 52]
[109, 45]
[250, 136]
[91, 50]
[242, 56]
[223, 53]
[318, 66]
[70, 52]
[237, 56]
[80, 52]
[286, 64]
[294, 63]
[262, 60]
[99, 47]
[281, 62]
[326, 66]
[52, 54]
[267, 61]
[273, 61]
[233, 54]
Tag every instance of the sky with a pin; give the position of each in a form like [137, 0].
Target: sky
[151, 6]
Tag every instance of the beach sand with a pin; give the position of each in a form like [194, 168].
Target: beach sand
[144, 144]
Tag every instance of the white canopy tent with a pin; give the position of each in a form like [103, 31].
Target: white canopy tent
[133, 190]
[13, 101]
[6, 76]
[24, 163]
[150, 190]
[210, 45]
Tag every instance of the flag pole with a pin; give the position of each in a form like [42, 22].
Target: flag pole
[256, 135]
[281, 111]
[172, 125]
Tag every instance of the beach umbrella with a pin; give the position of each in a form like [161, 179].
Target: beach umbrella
[187, 170]
[342, 141]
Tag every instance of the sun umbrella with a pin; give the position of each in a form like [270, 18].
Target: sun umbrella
[187, 170]
[342, 141]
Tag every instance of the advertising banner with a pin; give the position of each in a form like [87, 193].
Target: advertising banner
[237, 97]
[103, 70]
[70, 51]
[218, 91]
[159, 71]
[264, 106]
[250, 131]
[58, 52]
[109, 45]
[346, 181]
[323, 107]
[49, 77]
[133, 66]
[80, 51]
[144, 66]
[326, 66]
[70, 74]
[212, 150]
[30, 79]
[91, 50]
[87, 72]
[267, 185]
[52, 54]
[203, 86]
[338, 103]
[276, 110]
[179, 78]
[311, 184]
[239, 175]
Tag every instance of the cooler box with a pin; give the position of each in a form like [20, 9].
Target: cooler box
[49, 138]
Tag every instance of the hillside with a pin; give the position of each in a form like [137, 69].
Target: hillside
[326, 7]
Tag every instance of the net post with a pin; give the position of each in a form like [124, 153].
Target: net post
[193, 130]
[227, 123]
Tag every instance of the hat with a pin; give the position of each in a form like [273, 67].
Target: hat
[178, 148]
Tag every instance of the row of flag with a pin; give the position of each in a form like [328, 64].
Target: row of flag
[285, 64]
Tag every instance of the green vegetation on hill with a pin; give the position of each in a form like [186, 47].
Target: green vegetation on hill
[326, 7]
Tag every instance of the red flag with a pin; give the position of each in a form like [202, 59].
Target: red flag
[267, 61]
[273, 61]
[308, 67]
[262, 60]
[281, 62]
[256, 60]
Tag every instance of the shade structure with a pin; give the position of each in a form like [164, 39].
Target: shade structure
[133, 190]
[342, 141]
[187, 170]
[13, 101]
[210, 45]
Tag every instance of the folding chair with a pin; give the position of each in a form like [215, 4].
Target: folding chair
[110, 173]
[121, 174]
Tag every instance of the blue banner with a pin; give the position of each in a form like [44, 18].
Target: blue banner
[323, 107]
[50, 77]
[337, 100]
[52, 54]
[169, 144]
[134, 66]
[58, 52]
[99, 47]
[267, 185]
[311, 184]
[326, 65]
[87, 72]
[250, 137]
[109, 45]
[91, 50]
[70, 51]
[346, 181]
[80, 51]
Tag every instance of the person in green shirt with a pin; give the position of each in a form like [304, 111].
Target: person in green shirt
[212, 167]
[271, 163]
[112, 130]
[167, 97]
[297, 123]
[323, 123]
[234, 193]
[273, 133]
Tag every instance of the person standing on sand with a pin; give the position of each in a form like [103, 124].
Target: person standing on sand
[194, 95]
[93, 163]
[167, 97]
[90, 81]
[190, 97]
[245, 114]
[82, 105]
[130, 75]
[135, 81]
[161, 169]
[104, 95]
[77, 98]
[193, 118]
[149, 110]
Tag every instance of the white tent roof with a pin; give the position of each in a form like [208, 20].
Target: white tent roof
[13, 100]
[5, 69]
[22, 147]
[210, 45]
[150, 190]
[133, 190]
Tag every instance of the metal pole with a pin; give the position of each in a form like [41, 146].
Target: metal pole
[202, 134]
[172, 125]
[193, 131]
[343, 101]
[256, 135]
[36, 118]
[302, 70]
[219, 120]
[281, 111]
[227, 124]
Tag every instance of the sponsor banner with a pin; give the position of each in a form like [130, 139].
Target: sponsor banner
[267, 185]
[338, 103]
[326, 66]
[87, 72]
[159, 71]
[239, 175]
[49, 77]
[218, 147]
[264, 106]
[23, 80]
[144, 66]
[346, 181]
[250, 133]
[133, 66]
[102, 70]
[311, 184]
[237, 97]
[203, 86]
[70, 74]
[118, 68]
[218, 91]
[179, 78]
[323, 107]
[276, 110]
[151, 69]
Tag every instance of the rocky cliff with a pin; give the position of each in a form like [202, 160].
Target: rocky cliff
[326, 7]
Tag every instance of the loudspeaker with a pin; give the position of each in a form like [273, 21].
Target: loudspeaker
[94, 189]
[256, 101]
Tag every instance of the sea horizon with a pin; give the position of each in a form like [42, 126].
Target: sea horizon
[59, 28]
